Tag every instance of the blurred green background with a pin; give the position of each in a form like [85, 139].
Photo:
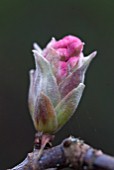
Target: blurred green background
[23, 22]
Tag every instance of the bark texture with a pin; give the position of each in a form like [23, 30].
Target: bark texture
[72, 153]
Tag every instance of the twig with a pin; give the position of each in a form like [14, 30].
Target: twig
[73, 153]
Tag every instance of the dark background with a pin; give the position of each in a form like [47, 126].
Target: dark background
[23, 22]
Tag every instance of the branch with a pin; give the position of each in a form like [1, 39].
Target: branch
[73, 153]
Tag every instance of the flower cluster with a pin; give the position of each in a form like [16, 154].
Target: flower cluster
[56, 84]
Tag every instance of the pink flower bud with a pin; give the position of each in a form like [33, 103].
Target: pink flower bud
[56, 84]
[68, 47]
[68, 50]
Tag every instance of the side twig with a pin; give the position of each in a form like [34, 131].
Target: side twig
[72, 153]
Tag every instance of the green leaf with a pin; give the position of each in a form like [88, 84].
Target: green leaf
[31, 94]
[68, 105]
[44, 116]
[45, 81]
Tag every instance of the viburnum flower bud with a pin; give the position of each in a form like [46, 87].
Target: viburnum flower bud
[56, 84]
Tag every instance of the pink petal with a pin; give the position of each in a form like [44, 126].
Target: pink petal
[75, 48]
[62, 71]
[64, 42]
[68, 47]
[63, 53]
[72, 62]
